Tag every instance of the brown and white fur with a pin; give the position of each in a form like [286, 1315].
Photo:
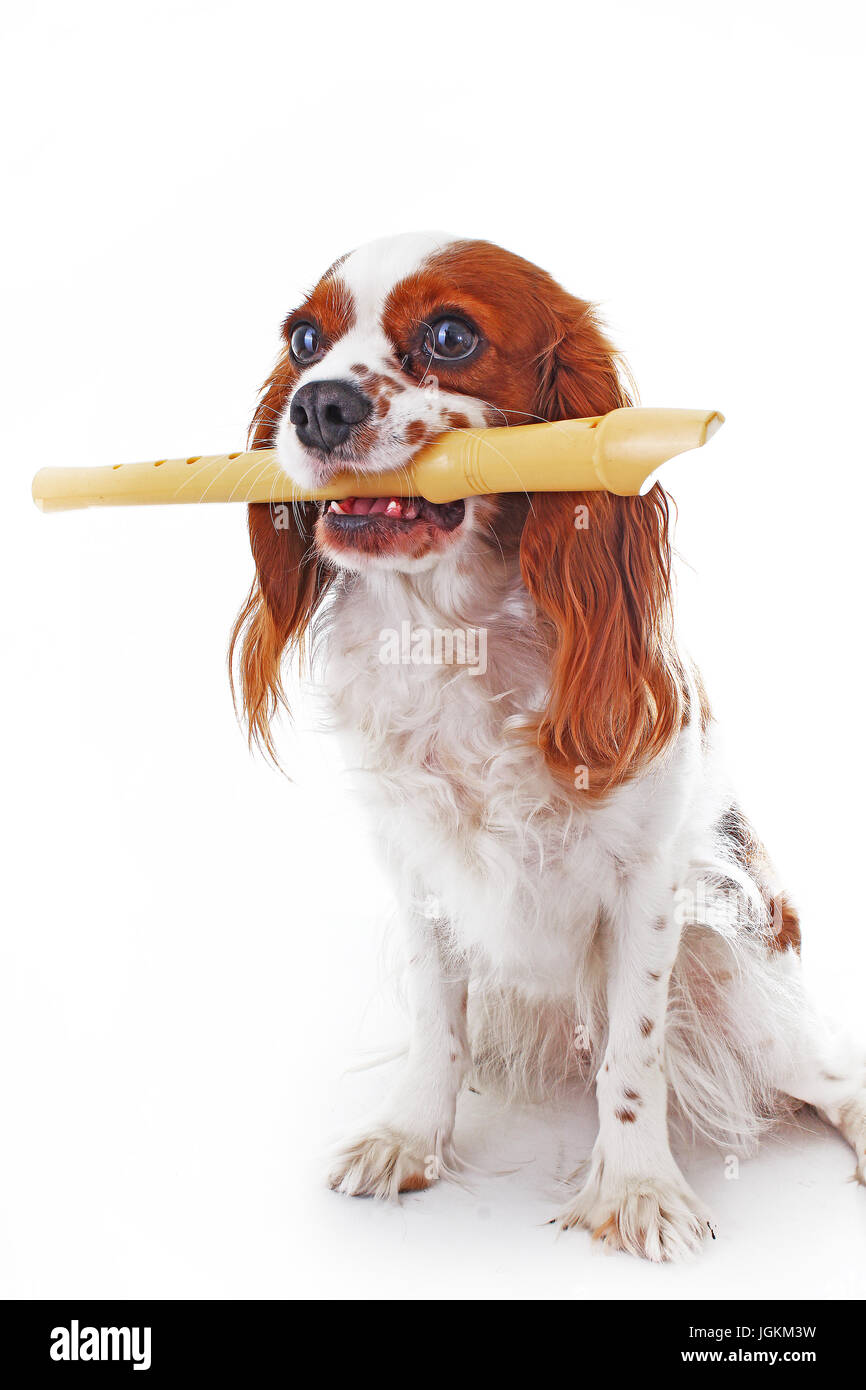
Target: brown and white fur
[580, 892]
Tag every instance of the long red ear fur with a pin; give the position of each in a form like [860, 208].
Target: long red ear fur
[598, 567]
[290, 584]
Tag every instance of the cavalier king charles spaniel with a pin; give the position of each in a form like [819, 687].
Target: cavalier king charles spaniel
[581, 894]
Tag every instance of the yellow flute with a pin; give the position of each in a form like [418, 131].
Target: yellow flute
[618, 452]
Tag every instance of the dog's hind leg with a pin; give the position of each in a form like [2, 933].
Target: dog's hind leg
[825, 1069]
[793, 1050]
[747, 1031]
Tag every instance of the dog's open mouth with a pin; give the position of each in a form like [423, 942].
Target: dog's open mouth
[362, 513]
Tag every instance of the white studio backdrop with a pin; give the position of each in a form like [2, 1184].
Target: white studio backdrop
[192, 947]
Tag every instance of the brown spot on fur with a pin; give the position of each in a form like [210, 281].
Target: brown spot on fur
[660, 923]
[415, 432]
[376, 384]
[627, 1117]
[786, 925]
[608, 1228]
[457, 420]
[655, 975]
[414, 1182]
[646, 1027]
[631, 1095]
[749, 854]
[744, 844]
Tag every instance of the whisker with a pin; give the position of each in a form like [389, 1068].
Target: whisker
[426, 325]
[228, 463]
[527, 495]
[264, 468]
[191, 476]
[510, 410]
[488, 526]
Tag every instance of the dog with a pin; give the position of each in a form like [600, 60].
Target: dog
[581, 894]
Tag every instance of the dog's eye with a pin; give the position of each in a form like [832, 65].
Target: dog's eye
[450, 339]
[305, 342]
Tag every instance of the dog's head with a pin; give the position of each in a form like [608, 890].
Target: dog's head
[399, 342]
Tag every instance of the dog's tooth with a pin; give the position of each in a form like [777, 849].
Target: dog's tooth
[341, 507]
[394, 507]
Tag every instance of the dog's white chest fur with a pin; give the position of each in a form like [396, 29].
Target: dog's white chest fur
[475, 825]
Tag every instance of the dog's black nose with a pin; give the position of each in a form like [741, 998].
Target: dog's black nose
[323, 412]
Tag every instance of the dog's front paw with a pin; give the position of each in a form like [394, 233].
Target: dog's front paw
[383, 1164]
[657, 1218]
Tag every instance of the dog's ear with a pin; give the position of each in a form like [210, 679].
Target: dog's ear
[290, 581]
[578, 369]
[598, 567]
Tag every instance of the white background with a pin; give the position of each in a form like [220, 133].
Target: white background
[192, 946]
